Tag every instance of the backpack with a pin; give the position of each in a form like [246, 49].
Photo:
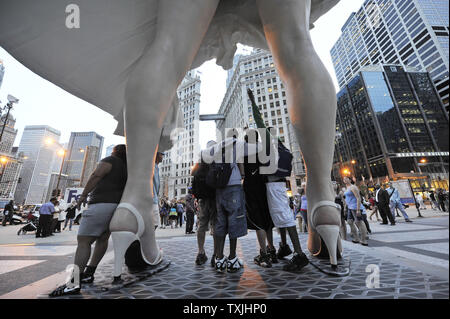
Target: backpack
[284, 161]
[199, 187]
[219, 174]
[180, 208]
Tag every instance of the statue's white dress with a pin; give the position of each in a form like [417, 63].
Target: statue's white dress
[94, 61]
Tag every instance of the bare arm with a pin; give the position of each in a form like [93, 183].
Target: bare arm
[355, 192]
[101, 171]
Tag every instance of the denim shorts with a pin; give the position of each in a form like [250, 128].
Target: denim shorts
[231, 215]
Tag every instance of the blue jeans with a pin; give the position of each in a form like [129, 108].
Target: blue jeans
[70, 224]
[393, 205]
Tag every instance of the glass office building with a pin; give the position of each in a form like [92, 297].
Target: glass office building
[76, 154]
[406, 32]
[39, 146]
[390, 121]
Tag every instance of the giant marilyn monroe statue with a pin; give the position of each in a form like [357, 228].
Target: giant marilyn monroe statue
[128, 58]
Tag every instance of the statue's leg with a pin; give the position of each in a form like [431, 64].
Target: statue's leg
[181, 26]
[311, 99]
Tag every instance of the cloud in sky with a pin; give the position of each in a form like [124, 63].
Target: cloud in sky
[43, 103]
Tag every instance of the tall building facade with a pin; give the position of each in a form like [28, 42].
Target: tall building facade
[2, 72]
[76, 154]
[39, 146]
[10, 161]
[406, 32]
[256, 71]
[391, 122]
[175, 168]
[91, 156]
[109, 150]
[9, 133]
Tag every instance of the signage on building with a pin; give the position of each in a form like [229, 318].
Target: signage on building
[422, 154]
[72, 194]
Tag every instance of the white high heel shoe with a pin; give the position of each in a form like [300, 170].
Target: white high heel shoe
[123, 239]
[328, 233]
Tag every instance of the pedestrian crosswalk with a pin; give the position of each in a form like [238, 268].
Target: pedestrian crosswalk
[12, 265]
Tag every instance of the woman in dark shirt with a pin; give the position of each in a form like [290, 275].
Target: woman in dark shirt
[105, 187]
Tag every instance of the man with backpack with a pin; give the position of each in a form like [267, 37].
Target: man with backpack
[180, 212]
[277, 198]
[225, 175]
[395, 202]
[206, 197]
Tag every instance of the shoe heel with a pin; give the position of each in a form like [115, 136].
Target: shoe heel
[330, 235]
[121, 241]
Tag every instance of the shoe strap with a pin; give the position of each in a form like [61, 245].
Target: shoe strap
[140, 220]
[322, 204]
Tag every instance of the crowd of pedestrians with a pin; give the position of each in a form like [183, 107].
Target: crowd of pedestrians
[52, 215]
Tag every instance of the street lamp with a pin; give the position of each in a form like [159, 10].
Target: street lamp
[61, 152]
[345, 172]
[11, 101]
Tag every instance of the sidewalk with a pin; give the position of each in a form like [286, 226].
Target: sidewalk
[412, 259]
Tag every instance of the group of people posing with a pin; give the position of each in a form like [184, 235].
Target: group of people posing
[246, 199]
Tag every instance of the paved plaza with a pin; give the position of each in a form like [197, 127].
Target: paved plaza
[412, 259]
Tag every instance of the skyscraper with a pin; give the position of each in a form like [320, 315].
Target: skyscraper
[391, 122]
[406, 32]
[256, 71]
[175, 170]
[76, 153]
[109, 150]
[39, 146]
[91, 156]
[11, 162]
[9, 133]
[2, 72]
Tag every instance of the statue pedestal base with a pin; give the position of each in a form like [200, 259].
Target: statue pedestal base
[132, 276]
[323, 264]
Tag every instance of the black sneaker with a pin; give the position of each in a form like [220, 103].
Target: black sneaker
[272, 254]
[213, 260]
[201, 259]
[87, 278]
[296, 263]
[263, 260]
[65, 290]
[283, 251]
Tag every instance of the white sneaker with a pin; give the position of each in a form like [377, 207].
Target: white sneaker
[221, 264]
[234, 264]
